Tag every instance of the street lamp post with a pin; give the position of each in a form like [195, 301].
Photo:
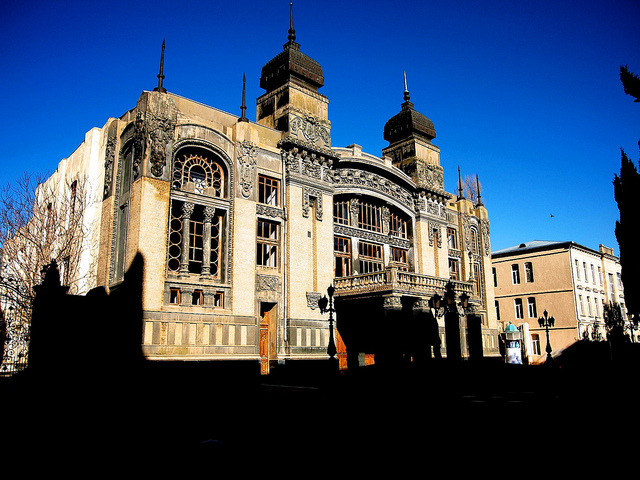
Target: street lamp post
[547, 322]
[326, 305]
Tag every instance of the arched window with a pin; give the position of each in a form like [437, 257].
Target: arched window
[200, 173]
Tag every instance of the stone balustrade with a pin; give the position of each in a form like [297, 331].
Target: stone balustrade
[393, 280]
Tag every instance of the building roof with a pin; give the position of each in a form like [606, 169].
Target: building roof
[529, 246]
[536, 245]
[408, 122]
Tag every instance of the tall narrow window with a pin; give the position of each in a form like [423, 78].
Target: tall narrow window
[370, 257]
[584, 267]
[398, 226]
[268, 190]
[599, 275]
[399, 257]
[497, 310]
[495, 277]
[267, 243]
[341, 212]
[581, 304]
[593, 274]
[515, 274]
[531, 307]
[451, 238]
[528, 272]
[342, 255]
[518, 308]
[370, 217]
[454, 269]
[474, 240]
[577, 270]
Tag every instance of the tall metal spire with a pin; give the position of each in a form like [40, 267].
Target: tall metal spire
[160, 88]
[406, 90]
[243, 107]
[479, 203]
[292, 31]
[460, 189]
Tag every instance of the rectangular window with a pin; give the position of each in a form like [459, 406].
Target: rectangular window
[593, 274]
[495, 277]
[599, 275]
[370, 217]
[577, 270]
[580, 305]
[451, 238]
[611, 290]
[342, 256]
[398, 226]
[531, 307]
[535, 344]
[589, 306]
[454, 269]
[341, 212]
[584, 267]
[218, 299]
[515, 274]
[197, 298]
[619, 281]
[399, 257]
[370, 257]
[268, 190]
[268, 240]
[518, 308]
[497, 310]
[174, 296]
[528, 272]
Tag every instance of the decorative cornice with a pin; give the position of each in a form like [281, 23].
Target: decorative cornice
[394, 241]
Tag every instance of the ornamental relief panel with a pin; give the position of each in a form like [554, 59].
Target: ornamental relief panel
[372, 181]
[303, 162]
[346, 231]
[435, 234]
[309, 128]
[307, 194]
[430, 176]
[269, 283]
[109, 159]
[269, 211]
[486, 238]
[246, 155]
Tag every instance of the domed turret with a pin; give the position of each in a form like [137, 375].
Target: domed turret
[408, 122]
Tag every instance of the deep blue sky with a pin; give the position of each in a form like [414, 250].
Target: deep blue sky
[525, 94]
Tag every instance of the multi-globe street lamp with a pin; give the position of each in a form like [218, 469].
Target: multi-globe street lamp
[326, 305]
[547, 322]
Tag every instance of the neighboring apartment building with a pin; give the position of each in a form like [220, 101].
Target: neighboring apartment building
[572, 282]
[243, 225]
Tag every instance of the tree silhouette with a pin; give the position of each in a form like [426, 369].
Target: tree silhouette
[626, 187]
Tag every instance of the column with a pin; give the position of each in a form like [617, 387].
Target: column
[187, 211]
[209, 212]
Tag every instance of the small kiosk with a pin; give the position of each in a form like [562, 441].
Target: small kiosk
[512, 341]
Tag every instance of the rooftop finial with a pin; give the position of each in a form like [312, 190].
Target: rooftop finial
[160, 88]
[292, 32]
[406, 90]
[478, 188]
[243, 107]
[460, 189]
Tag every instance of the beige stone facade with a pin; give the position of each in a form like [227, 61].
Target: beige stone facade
[243, 225]
[571, 282]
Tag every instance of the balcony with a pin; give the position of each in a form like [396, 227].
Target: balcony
[396, 281]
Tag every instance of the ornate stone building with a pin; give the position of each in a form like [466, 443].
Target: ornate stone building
[243, 225]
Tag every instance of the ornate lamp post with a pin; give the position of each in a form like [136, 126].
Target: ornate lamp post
[322, 304]
[547, 322]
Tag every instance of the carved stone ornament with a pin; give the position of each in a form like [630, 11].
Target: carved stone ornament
[307, 194]
[109, 159]
[430, 176]
[372, 181]
[312, 299]
[246, 154]
[370, 236]
[269, 211]
[308, 128]
[139, 143]
[392, 301]
[269, 283]
[484, 226]
[435, 234]
[160, 132]
[309, 162]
